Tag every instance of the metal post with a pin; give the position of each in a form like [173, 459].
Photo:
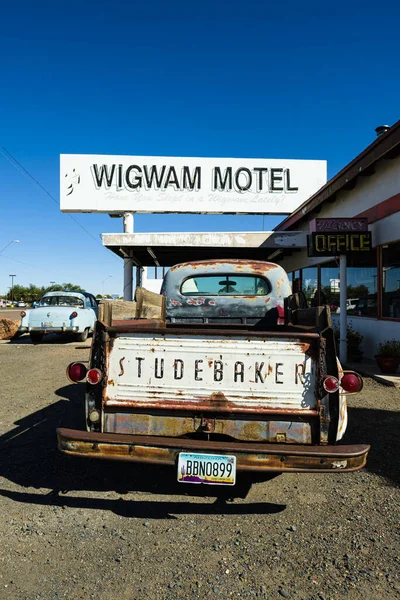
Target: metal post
[128, 222]
[128, 277]
[128, 262]
[343, 309]
[139, 279]
[12, 288]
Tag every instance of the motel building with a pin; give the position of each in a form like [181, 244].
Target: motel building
[367, 188]
[340, 243]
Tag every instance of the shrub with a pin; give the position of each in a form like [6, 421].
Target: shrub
[354, 338]
[389, 349]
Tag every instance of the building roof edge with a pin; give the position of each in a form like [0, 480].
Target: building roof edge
[386, 145]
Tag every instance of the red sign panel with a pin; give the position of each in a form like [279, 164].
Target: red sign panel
[337, 225]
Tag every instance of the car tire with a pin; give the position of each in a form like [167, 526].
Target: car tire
[82, 337]
[36, 337]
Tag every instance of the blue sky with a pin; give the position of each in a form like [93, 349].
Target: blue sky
[306, 80]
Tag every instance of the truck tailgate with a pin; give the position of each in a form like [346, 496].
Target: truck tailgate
[228, 371]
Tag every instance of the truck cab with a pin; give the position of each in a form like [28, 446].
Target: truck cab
[225, 291]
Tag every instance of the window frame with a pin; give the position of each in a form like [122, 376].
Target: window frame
[379, 272]
[380, 286]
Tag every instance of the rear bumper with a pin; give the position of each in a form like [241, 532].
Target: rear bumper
[249, 456]
[48, 329]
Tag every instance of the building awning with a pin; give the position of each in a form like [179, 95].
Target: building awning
[167, 249]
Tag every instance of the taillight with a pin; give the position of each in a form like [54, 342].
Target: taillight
[331, 384]
[74, 314]
[281, 315]
[76, 372]
[94, 376]
[351, 383]
[23, 313]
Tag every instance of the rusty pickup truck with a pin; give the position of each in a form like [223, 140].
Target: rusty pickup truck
[235, 376]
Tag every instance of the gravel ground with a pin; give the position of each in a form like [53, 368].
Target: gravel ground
[80, 529]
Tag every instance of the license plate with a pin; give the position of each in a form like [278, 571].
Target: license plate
[206, 468]
[47, 324]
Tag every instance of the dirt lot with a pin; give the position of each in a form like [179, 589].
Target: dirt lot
[77, 529]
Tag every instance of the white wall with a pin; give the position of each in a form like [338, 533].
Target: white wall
[368, 192]
[386, 230]
[151, 284]
[373, 331]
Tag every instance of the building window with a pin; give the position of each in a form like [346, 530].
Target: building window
[362, 285]
[391, 281]
[309, 284]
[296, 282]
[330, 285]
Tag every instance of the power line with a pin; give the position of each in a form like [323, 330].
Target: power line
[19, 261]
[21, 169]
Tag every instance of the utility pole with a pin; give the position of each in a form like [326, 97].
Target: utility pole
[102, 284]
[12, 288]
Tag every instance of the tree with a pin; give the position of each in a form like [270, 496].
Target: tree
[331, 297]
[357, 291]
[33, 293]
[72, 288]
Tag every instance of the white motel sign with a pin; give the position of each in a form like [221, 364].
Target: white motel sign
[148, 184]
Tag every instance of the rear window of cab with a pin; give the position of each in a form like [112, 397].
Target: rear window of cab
[225, 285]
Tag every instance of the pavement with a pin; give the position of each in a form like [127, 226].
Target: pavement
[368, 368]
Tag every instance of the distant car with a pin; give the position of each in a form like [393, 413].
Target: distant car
[365, 306]
[20, 304]
[61, 312]
[351, 304]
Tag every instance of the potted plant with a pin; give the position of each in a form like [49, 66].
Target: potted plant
[354, 339]
[388, 356]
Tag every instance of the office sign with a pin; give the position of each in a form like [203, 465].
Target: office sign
[339, 225]
[154, 184]
[334, 244]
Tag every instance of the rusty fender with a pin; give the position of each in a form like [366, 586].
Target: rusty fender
[249, 456]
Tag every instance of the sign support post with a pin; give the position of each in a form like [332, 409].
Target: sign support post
[128, 262]
[128, 283]
[343, 309]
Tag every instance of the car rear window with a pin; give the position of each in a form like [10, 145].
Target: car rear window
[61, 301]
[225, 285]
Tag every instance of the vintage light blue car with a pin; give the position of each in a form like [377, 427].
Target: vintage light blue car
[61, 312]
